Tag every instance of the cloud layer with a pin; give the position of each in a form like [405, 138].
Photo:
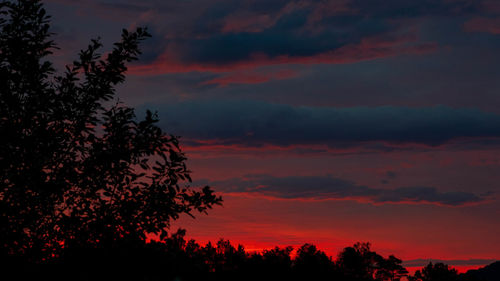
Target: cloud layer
[329, 187]
[424, 262]
[251, 123]
[229, 35]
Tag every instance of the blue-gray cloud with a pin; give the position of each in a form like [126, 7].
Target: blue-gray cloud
[226, 33]
[251, 123]
[329, 187]
[409, 8]
[304, 30]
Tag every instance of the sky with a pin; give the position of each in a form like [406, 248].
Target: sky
[325, 122]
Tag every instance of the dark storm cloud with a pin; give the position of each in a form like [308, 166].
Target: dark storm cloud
[232, 33]
[410, 8]
[251, 123]
[203, 35]
[279, 40]
[426, 194]
[328, 187]
[283, 38]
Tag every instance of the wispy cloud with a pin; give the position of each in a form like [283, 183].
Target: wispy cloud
[250, 77]
[250, 123]
[332, 188]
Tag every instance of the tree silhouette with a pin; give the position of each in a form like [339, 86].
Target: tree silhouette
[77, 167]
[311, 263]
[277, 263]
[435, 272]
[358, 262]
[390, 269]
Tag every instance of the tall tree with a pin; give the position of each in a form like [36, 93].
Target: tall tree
[358, 262]
[390, 269]
[77, 167]
[313, 264]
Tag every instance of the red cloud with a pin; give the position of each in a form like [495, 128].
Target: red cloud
[251, 77]
[368, 49]
[246, 21]
[490, 25]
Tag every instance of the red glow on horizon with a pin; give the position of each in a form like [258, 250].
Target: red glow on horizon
[250, 78]
[330, 250]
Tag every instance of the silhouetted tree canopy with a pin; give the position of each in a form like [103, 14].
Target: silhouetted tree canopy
[76, 166]
[312, 263]
[358, 262]
[175, 258]
[390, 269]
[435, 272]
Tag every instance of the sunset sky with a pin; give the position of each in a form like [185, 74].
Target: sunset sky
[328, 122]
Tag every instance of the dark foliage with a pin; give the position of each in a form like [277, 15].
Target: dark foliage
[391, 269]
[174, 258]
[311, 263]
[488, 273]
[77, 168]
[438, 271]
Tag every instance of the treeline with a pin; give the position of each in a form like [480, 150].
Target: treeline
[174, 258]
[80, 174]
